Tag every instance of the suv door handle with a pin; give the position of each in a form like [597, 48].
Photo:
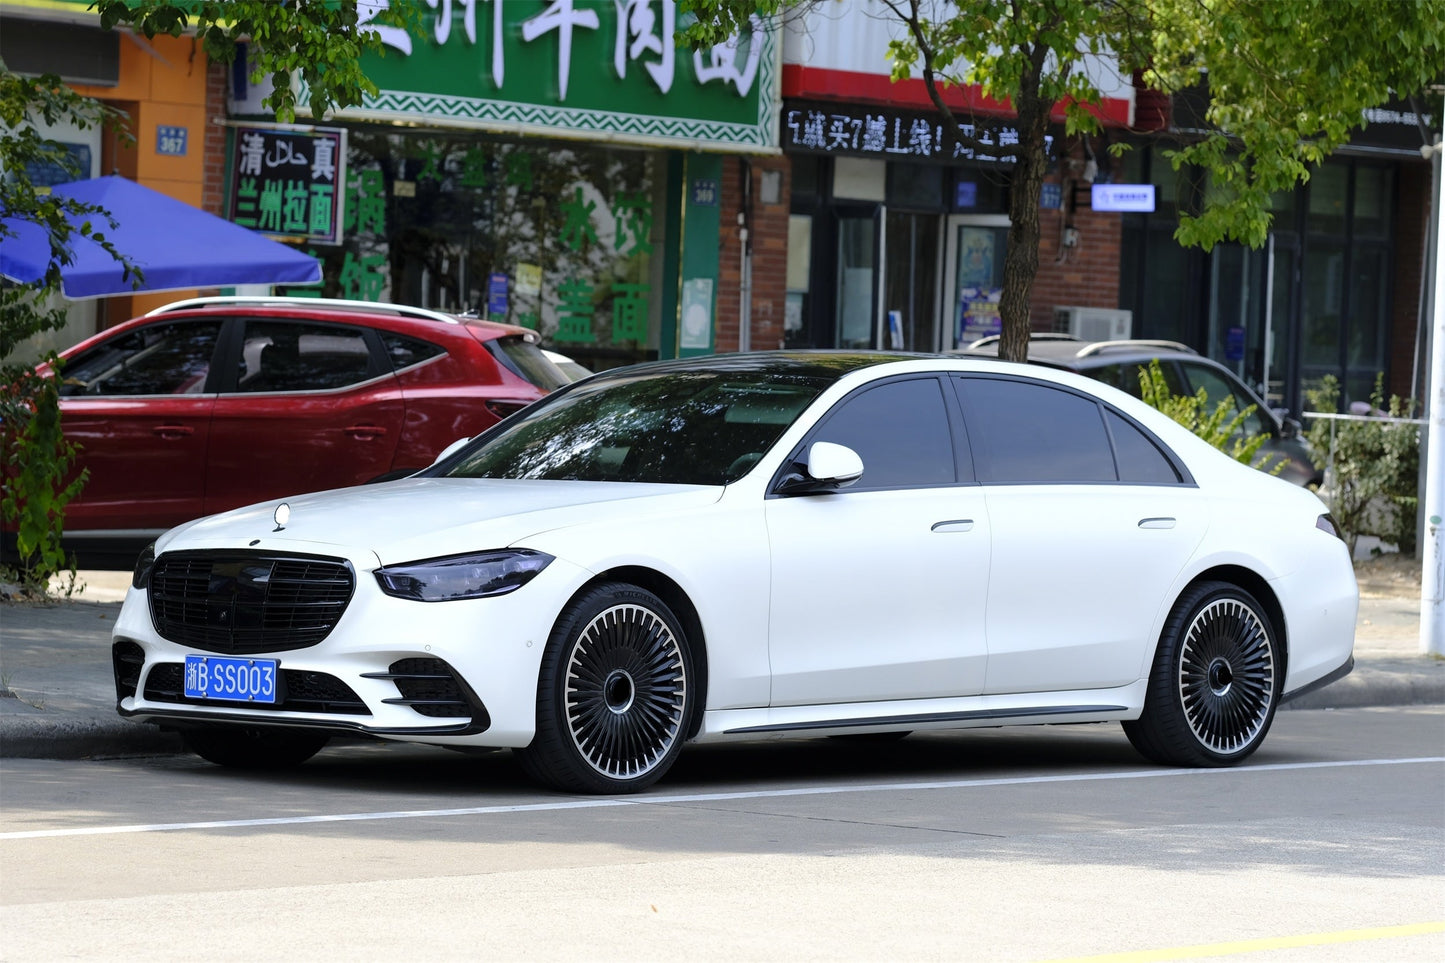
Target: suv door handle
[173, 432]
[362, 432]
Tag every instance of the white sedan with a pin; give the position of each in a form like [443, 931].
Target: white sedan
[756, 545]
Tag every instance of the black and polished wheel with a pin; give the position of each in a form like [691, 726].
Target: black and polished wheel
[259, 747]
[614, 694]
[1215, 683]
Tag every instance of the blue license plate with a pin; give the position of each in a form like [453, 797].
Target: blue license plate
[231, 680]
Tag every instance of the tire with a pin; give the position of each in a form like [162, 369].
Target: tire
[1215, 683]
[240, 747]
[614, 695]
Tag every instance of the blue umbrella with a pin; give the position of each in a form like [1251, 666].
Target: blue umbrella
[176, 246]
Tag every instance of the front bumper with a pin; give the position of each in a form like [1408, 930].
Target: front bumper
[369, 674]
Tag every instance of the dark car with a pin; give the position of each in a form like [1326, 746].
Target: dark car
[1118, 363]
[209, 404]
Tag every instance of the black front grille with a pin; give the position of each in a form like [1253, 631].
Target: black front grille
[299, 691]
[127, 658]
[241, 603]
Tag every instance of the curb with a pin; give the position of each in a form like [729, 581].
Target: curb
[31, 737]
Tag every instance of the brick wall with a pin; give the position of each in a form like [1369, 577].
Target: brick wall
[1088, 274]
[213, 181]
[769, 236]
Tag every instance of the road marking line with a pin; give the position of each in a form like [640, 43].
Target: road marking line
[600, 803]
[1261, 945]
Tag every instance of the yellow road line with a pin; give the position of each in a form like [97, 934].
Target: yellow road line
[1261, 945]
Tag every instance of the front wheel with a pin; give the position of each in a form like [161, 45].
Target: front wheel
[1215, 683]
[262, 747]
[614, 694]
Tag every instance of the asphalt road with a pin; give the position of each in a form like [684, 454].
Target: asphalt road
[1016, 844]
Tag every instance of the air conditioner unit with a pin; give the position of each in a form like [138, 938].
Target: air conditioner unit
[1094, 324]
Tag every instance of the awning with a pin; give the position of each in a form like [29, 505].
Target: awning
[176, 246]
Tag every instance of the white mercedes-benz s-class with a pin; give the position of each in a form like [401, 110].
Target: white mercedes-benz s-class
[740, 546]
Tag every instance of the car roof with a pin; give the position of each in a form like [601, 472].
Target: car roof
[830, 365]
[341, 309]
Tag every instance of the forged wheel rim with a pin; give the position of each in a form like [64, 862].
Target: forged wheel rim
[1226, 676]
[625, 691]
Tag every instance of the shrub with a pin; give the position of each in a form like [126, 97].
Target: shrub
[1223, 427]
[1373, 474]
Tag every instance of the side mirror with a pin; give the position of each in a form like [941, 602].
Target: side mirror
[449, 450]
[828, 467]
[1288, 427]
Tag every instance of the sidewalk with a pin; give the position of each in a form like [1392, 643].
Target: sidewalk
[57, 696]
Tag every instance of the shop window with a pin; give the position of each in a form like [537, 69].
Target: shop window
[917, 187]
[1328, 188]
[855, 262]
[1374, 189]
[807, 178]
[800, 263]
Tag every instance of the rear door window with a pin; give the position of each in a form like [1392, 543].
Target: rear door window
[283, 355]
[1023, 432]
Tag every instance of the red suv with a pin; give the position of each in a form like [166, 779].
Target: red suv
[209, 404]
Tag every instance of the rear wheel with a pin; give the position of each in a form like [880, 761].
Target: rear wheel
[1215, 683]
[241, 747]
[614, 694]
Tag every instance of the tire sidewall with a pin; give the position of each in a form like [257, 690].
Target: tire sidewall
[1165, 696]
[554, 756]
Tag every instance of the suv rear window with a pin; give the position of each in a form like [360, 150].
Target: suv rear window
[524, 359]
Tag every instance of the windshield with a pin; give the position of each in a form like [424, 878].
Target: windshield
[671, 427]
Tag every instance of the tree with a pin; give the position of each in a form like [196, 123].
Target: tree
[1287, 83]
[319, 40]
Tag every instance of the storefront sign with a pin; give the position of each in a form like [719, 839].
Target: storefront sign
[284, 182]
[890, 134]
[170, 141]
[1128, 198]
[574, 68]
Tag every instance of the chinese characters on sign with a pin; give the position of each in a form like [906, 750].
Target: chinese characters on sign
[285, 182]
[859, 131]
[645, 32]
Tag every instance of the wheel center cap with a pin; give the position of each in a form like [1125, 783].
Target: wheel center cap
[1221, 676]
[618, 691]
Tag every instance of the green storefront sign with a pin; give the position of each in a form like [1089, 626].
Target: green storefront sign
[599, 69]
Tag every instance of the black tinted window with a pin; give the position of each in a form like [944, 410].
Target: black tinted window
[900, 430]
[1023, 432]
[160, 359]
[1140, 460]
[404, 352]
[297, 356]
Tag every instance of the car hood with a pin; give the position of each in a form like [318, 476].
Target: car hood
[429, 517]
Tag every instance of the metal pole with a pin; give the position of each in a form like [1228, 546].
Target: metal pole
[1432, 554]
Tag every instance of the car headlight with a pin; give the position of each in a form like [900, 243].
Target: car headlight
[143, 565]
[462, 576]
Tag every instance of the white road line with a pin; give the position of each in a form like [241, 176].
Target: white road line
[602, 803]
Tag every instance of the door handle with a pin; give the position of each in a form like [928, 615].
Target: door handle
[1156, 523]
[954, 525]
[173, 432]
[363, 432]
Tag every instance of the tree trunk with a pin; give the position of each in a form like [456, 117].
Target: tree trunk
[1021, 260]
